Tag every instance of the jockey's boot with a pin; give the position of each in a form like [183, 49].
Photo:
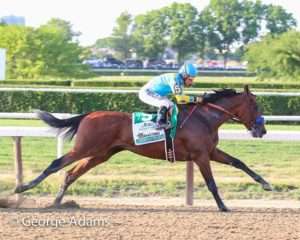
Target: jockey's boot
[162, 122]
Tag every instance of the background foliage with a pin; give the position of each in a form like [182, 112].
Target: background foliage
[223, 29]
[50, 50]
[276, 56]
[27, 101]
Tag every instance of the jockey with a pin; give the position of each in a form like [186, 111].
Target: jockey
[158, 90]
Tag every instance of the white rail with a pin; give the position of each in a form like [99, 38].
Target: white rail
[85, 90]
[8, 115]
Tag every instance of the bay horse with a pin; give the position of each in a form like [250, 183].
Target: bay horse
[101, 134]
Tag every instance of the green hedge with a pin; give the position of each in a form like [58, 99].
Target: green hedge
[26, 101]
[103, 83]
[37, 82]
[138, 83]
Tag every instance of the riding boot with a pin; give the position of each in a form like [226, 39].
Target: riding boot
[162, 118]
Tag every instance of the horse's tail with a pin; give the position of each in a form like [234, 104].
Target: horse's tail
[70, 124]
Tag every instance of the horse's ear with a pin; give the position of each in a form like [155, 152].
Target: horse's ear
[246, 89]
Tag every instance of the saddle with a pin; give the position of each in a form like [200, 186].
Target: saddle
[145, 131]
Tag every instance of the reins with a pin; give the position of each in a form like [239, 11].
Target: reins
[233, 117]
[189, 115]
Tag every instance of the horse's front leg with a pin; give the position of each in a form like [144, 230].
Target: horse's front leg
[203, 163]
[222, 157]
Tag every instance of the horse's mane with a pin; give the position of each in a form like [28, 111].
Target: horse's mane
[218, 94]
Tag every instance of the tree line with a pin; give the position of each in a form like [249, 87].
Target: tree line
[220, 28]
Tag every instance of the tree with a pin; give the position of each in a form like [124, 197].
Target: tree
[50, 50]
[183, 32]
[176, 26]
[103, 42]
[251, 20]
[257, 16]
[149, 34]
[222, 20]
[58, 49]
[278, 20]
[15, 39]
[277, 57]
[121, 39]
[233, 23]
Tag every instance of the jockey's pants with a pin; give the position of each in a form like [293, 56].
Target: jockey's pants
[153, 99]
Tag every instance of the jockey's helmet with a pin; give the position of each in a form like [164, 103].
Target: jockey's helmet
[188, 70]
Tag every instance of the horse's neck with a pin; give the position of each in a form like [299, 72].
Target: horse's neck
[216, 117]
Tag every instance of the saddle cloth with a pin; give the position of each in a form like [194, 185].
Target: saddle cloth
[145, 130]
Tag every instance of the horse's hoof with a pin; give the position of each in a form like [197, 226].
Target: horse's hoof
[267, 187]
[19, 189]
[54, 205]
[68, 204]
[224, 209]
[22, 188]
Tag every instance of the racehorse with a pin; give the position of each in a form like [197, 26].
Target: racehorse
[101, 134]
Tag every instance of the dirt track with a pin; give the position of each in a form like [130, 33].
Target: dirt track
[127, 221]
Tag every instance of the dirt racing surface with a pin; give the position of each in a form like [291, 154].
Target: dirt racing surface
[117, 220]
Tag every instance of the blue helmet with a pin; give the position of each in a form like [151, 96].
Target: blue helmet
[188, 70]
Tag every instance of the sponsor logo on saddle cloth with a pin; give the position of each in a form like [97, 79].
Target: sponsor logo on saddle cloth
[145, 130]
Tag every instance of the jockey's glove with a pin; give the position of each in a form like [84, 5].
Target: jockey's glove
[199, 99]
[184, 99]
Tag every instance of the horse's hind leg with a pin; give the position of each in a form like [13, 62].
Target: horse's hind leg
[222, 157]
[52, 168]
[81, 167]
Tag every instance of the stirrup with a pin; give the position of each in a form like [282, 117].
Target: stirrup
[166, 125]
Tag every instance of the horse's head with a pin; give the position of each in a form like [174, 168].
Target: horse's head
[250, 115]
[241, 107]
